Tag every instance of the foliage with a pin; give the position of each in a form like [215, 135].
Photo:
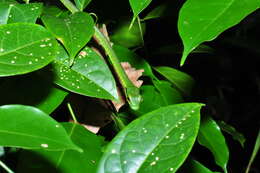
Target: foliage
[52, 55]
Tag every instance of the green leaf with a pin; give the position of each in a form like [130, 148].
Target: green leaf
[156, 142]
[66, 161]
[211, 137]
[254, 153]
[73, 32]
[201, 21]
[233, 132]
[168, 93]
[151, 100]
[125, 55]
[193, 166]
[25, 48]
[52, 10]
[180, 80]
[29, 128]
[81, 4]
[19, 13]
[88, 76]
[33, 90]
[138, 6]
[155, 97]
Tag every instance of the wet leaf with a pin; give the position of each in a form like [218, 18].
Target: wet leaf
[193, 166]
[29, 128]
[19, 13]
[156, 142]
[88, 76]
[25, 48]
[73, 32]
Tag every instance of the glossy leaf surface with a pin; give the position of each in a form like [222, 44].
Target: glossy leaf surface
[22, 13]
[156, 142]
[180, 80]
[73, 32]
[204, 20]
[29, 128]
[33, 90]
[88, 76]
[25, 48]
[81, 4]
[66, 161]
[211, 137]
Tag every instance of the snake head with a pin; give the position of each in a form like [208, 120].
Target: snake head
[134, 98]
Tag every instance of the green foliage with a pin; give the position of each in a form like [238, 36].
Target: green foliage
[53, 56]
[197, 26]
[147, 149]
[31, 128]
[211, 137]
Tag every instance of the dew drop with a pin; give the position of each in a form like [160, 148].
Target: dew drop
[57, 126]
[12, 61]
[30, 62]
[125, 162]
[182, 136]
[157, 158]
[192, 111]
[36, 60]
[8, 32]
[167, 137]
[42, 57]
[167, 125]
[171, 169]
[113, 151]
[153, 163]
[44, 145]
[133, 151]
[31, 54]
[78, 87]
[1, 49]
[15, 57]
[152, 154]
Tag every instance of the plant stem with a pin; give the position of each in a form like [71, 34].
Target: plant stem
[5, 167]
[70, 6]
[72, 113]
[119, 123]
[255, 151]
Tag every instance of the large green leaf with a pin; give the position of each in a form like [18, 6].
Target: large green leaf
[211, 137]
[25, 48]
[22, 13]
[180, 80]
[204, 20]
[156, 142]
[33, 90]
[29, 128]
[88, 76]
[81, 4]
[66, 161]
[73, 32]
[138, 6]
